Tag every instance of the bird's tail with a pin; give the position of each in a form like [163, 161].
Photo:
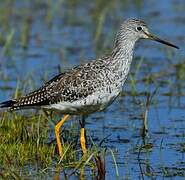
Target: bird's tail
[8, 104]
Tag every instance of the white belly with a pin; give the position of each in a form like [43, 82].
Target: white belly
[92, 103]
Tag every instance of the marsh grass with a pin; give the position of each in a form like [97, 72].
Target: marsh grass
[24, 144]
[23, 141]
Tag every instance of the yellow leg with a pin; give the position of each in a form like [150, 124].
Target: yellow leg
[82, 141]
[57, 131]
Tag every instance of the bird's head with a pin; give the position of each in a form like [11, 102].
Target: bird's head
[134, 29]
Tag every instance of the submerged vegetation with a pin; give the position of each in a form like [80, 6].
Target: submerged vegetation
[42, 38]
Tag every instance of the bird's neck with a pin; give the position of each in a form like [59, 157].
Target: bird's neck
[121, 59]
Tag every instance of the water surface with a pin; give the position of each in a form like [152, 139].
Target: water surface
[62, 34]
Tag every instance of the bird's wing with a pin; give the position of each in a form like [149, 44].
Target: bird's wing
[69, 86]
[36, 98]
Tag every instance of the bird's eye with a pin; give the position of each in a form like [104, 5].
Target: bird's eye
[139, 28]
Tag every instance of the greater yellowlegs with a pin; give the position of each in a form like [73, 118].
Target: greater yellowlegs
[90, 87]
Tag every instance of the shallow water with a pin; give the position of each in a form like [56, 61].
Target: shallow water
[64, 35]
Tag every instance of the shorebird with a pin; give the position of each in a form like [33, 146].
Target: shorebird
[89, 87]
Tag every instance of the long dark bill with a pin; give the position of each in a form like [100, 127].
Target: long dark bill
[155, 38]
